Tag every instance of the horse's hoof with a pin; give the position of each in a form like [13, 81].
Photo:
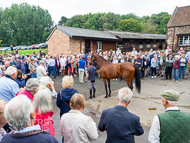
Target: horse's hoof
[109, 95]
[106, 96]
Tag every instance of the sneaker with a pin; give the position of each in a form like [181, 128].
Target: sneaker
[116, 79]
[113, 79]
[161, 75]
[173, 80]
[154, 76]
[177, 81]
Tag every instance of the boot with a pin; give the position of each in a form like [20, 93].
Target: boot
[90, 94]
[94, 91]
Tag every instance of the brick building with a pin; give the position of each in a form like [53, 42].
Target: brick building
[178, 29]
[139, 41]
[65, 39]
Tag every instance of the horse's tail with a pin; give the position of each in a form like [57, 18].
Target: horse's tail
[137, 79]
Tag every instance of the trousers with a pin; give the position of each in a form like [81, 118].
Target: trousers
[52, 68]
[81, 75]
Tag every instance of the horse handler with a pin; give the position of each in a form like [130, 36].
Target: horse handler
[90, 76]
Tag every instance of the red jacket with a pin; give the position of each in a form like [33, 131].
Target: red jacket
[45, 121]
[176, 64]
[27, 93]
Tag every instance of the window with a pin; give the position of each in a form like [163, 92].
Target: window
[184, 40]
[154, 45]
[148, 45]
[140, 46]
[99, 45]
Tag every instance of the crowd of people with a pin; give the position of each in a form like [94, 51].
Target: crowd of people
[26, 94]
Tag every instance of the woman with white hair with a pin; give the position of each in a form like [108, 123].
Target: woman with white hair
[64, 96]
[31, 88]
[45, 83]
[76, 127]
[43, 105]
[20, 114]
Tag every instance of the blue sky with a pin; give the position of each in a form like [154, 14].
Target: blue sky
[69, 8]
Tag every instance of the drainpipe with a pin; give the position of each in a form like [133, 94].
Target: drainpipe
[173, 38]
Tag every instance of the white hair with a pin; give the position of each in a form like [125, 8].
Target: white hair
[17, 112]
[7, 62]
[11, 71]
[42, 101]
[31, 84]
[173, 103]
[45, 80]
[124, 95]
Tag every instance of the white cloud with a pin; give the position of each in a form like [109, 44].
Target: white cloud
[69, 8]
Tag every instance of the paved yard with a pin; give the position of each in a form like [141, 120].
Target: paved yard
[149, 97]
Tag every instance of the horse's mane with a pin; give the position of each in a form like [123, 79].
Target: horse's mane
[101, 57]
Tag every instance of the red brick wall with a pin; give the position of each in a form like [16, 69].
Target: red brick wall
[59, 43]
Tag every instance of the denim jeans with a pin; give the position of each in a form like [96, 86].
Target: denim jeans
[176, 71]
[182, 71]
[34, 75]
[52, 68]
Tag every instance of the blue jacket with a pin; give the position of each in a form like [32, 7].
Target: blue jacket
[120, 125]
[66, 93]
[37, 138]
[154, 63]
[21, 83]
[21, 66]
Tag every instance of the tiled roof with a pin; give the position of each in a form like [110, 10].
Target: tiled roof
[74, 32]
[136, 35]
[180, 17]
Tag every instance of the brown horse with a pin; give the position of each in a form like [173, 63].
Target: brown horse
[110, 70]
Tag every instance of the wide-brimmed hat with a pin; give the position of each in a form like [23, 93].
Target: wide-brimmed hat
[42, 62]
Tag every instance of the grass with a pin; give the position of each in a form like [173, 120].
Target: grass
[25, 51]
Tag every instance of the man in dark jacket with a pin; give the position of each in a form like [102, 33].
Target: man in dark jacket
[20, 65]
[90, 78]
[20, 114]
[119, 123]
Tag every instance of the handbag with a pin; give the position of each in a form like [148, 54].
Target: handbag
[63, 100]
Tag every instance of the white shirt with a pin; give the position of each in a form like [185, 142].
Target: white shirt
[41, 71]
[51, 62]
[154, 133]
[63, 62]
[134, 52]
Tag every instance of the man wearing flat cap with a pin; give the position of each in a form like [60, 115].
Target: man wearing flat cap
[173, 126]
[162, 63]
[41, 71]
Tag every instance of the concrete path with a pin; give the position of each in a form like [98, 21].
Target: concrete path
[149, 97]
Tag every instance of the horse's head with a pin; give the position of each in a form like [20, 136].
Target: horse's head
[93, 56]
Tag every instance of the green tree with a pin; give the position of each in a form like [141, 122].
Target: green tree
[148, 27]
[63, 20]
[129, 25]
[24, 24]
[163, 25]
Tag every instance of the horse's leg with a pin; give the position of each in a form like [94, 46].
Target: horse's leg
[104, 80]
[132, 84]
[109, 87]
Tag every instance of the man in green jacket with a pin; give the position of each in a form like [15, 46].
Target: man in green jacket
[162, 63]
[173, 126]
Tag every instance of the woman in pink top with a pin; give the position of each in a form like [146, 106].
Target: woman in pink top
[42, 104]
[31, 88]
